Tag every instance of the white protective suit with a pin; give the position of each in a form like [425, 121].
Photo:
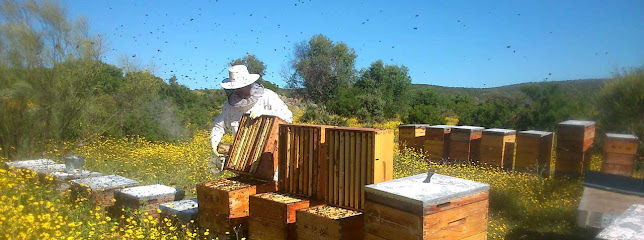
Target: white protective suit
[268, 104]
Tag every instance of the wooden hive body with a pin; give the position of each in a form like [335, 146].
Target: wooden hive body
[534, 151]
[149, 197]
[255, 149]
[303, 152]
[356, 157]
[497, 147]
[437, 141]
[574, 138]
[409, 208]
[272, 215]
[412, 136]
[619, 154]
[325, 222]
[100, 189]
[465, 143]
[223, 204]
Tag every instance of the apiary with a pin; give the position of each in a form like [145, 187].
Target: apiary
[272, 215]
[413, 208]
[465, 143]
[302, 155]
[412, 136]
[149, 197]
[574, 138]
[356, 157]
[497, 147]
[437, 141]
[100, 189]
[619, 153]
[329, 223]
[534, 151]
[182, 210]
[255, 149]
[223, 204]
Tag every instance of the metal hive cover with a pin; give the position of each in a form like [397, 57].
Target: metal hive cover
[106, 182]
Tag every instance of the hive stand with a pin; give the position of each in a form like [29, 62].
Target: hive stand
[437, 142]
[223, 204]
[272, 215]
[329, 223]
[100, 190]
[412, 136]
[410, 208]
[619, 154]
[149, 197]
[183, 210]
[574, 138]
[534, 152]
[465, 143]
[497, 147]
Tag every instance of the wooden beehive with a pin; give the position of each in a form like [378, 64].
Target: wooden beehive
[223, 204]
[465, 143]
[356, 157]
[325, 222]
[255, 149]
[619, 154]
[574, 138]
[412, 136]
[272, 215]
[437, 141]
[411, 208]
[100, 190]
[147, 197]
[534, 151]
[61, 179]
[497, 147]
[303, 151]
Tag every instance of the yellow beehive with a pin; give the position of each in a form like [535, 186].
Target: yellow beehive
[465, 143]
[411, 136]
[574, 138]
[497, 147]
[534, 151]
[619, 154]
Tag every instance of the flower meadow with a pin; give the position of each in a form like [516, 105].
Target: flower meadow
[520, 204]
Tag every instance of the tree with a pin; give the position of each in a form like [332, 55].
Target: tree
[621, 101]
[392, 83]
[322, 68]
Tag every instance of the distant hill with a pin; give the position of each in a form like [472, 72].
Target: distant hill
[587, 86]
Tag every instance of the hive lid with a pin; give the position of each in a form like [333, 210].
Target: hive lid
[534, 133]
[414, 125]
[106, 182]
[629, 225]
[412, 190]
[468, 128]
[499, 131]
[576, 123]
[48, 168]
[75, 175]
[151, 191]
[442, 126]
[26, 163]
[622, 137]
[180, 206]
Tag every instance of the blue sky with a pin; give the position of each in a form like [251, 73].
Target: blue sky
[455, 43]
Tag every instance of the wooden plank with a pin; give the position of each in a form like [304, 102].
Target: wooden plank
[352, 168]
[357, 179]
[311, 166]
[364, 165]
[347, 169]
[623, 147]
[292, 160]
[336, 168]
[457, 223]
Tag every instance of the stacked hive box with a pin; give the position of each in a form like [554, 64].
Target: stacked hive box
[465, 143]
[437, 141]
[497, 147]
[534, 151]
[574, 138]
[619, 154]
[356, 157]
[149, 197]
[272, 215]
[325, 222]
[223, 204]
[100, 190]
[411, 136]
[412, 208]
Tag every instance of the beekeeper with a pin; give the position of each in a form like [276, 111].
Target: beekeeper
[245, 95]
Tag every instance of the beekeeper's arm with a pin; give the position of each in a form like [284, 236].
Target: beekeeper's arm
[217, 132]
[273, 106]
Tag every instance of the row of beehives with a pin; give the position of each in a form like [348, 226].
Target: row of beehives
[333, 183]
[114, 192]
[525, 150]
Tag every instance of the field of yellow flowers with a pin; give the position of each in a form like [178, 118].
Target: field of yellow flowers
[520, 204]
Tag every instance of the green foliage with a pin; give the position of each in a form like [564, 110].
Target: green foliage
[548, 105]
[497, 111]
[387, 85]
[318, 115]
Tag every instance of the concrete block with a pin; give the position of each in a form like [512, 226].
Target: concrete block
[184, 210]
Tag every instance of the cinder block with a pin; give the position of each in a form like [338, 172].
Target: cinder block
[184, 210]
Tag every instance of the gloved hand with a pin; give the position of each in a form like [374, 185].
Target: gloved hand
[216, 164]
[255, 113]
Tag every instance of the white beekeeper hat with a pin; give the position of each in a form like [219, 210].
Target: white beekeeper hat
[238, 77]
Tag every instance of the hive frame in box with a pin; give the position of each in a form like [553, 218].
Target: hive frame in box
[272, 215]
